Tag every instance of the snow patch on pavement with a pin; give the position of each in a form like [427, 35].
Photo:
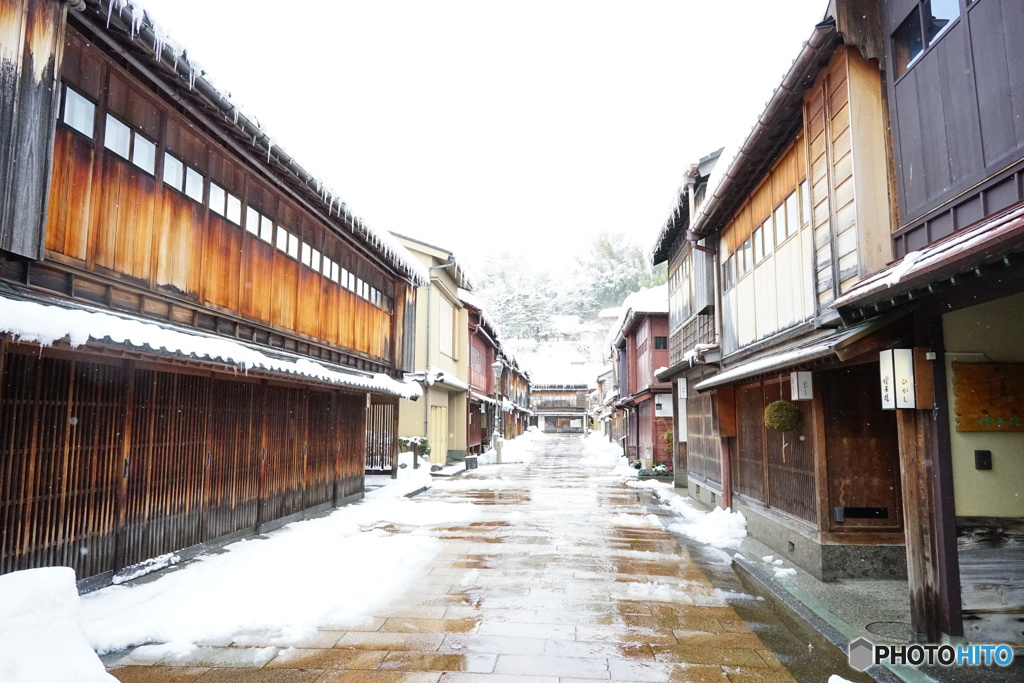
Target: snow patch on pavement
[332, 571]
[718, 528]
[40, 637]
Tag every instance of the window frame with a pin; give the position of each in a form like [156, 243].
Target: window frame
[62, 119]
[897, 45]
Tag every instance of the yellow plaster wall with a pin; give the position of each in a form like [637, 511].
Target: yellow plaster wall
[991, 332]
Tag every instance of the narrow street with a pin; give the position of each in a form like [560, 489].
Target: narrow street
[569, 578]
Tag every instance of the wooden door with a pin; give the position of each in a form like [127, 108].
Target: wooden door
[438, 437]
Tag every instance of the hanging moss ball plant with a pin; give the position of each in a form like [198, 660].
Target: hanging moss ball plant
[782, 416]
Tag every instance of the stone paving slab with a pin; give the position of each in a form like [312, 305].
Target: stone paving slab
[578, 586]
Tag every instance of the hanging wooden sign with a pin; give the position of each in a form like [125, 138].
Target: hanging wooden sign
[989, 397]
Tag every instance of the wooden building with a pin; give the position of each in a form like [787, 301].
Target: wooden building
[639, 347]
[955, 78]
[513, 390]
[484, 349]
[560, 408]
[794, 218]
[693, 349]
[442, 355]
[197, 340]
[516, 390]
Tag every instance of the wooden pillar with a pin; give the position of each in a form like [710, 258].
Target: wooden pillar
[926, 472]
[723, 406]
[394, 439]
[120, 535]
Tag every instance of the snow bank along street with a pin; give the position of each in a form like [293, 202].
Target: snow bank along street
[559, 566]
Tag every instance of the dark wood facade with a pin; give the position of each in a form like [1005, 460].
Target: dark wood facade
[955, 98]
[956, 113]
[145, 193]
[108, 463]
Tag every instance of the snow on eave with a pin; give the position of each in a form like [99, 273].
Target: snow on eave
[28, 321]
[467, 297]
[142, 32]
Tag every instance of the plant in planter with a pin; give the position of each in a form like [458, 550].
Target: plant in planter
[405, 443]
[661, 470]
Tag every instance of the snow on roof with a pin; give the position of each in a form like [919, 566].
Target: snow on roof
[650, 300]
[467, 297]
[141, 30]
[609, 313]
[29, 321]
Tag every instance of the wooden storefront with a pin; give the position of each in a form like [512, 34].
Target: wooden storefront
[108, 463]
[154, 204]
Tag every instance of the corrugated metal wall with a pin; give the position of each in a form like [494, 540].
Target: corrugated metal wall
[103, 465]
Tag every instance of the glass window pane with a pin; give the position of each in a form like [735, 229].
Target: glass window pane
[352, 281]
[234, 209]
[758, 246]
[217, 198]
[193, 184]
[117, 137]
[792, 215]
[939, 14]
[307, 253]
[315, 259]
[293, 246]
[79, 113]
[174, 172]
[144, 154]
[252, 220]
[334, 271]
[805, 203]
[266, 229]
[282, 239]
[907, 42]
[780, 222]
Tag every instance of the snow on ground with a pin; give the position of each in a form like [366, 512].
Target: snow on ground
[40, 637]
[598, 451]
[335, 570]
[635, 521]
[719, 528]
[517, 450]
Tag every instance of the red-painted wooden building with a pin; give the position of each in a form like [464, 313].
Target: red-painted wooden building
[639, 348]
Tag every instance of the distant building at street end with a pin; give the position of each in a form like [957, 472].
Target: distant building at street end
[560, 408]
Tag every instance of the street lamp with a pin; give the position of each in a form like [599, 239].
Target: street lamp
[496, 369]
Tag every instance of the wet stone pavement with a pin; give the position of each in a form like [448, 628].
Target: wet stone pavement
[570, 582]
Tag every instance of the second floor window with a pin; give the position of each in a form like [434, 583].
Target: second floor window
[920, 29]
[183, 178]
[79, 113]
[130, 144]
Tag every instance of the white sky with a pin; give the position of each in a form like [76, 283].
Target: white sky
[482, 126]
